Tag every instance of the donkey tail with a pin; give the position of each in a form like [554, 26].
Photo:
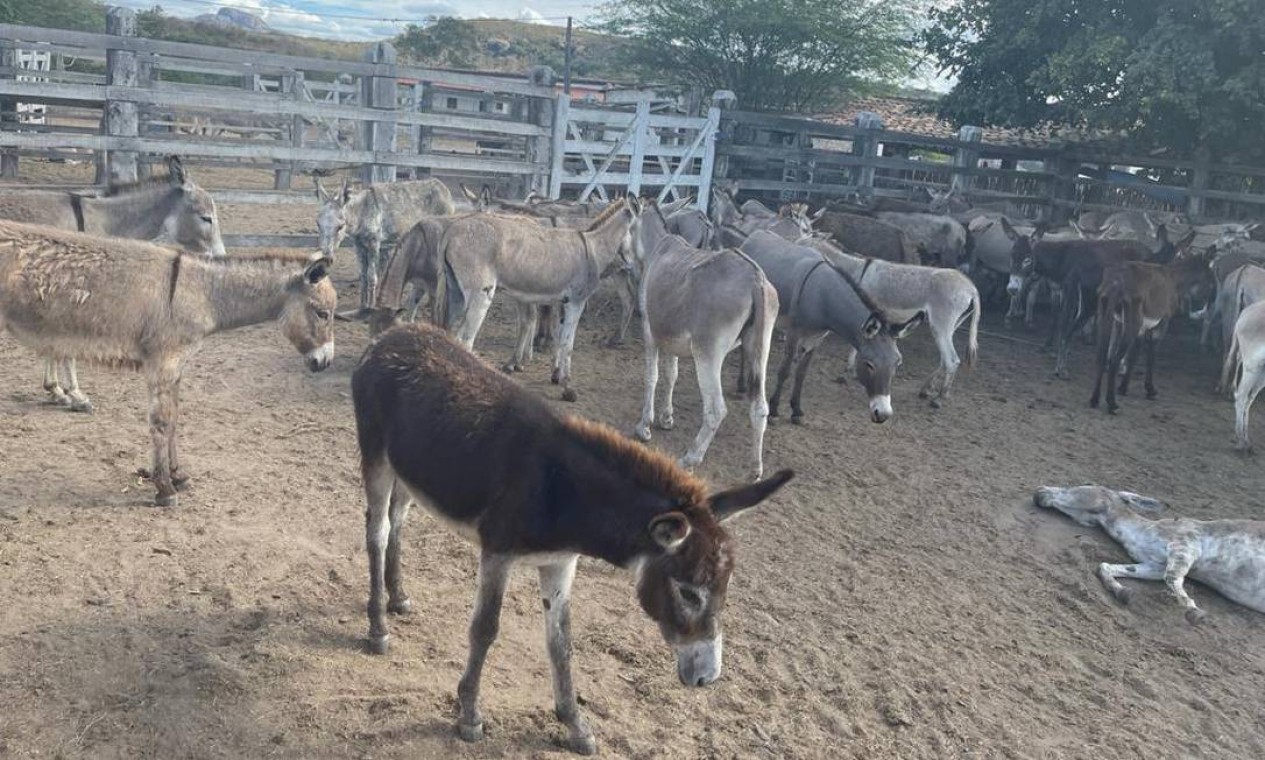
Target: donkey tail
[761, 334]
[972, 335]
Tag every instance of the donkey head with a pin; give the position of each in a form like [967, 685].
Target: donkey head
[331, 220]
[192, 222]
[683, 579]
[877, 358]
[1088, 504]
[308, 317]
[1023, 259]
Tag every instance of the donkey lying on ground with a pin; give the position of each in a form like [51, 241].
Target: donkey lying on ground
[946, 296]
[1226, 555]
[167, 209]
[1136, 301]
[702, 303]
[816, 298]
[375, 218]
[506, 471]
[534, 265]
[1247, 353]
[132, 304]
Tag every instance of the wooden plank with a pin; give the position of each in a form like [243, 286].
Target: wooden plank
[255, 103]
[641, 134]
[591, 147]
[274, 241]
[708, 167]
[260, 151]
[276, 62]
[622, 178]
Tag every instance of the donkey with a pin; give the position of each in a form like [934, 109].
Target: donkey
[1244, 287]
[703, 304]
[1246, 355]
[133, 304]
[498, 465]
[733, 226]
[867, 236]
[816, 299]
[375, 218]
[946, 296]
[1226, 555]
[534, 265]
[940, 240]
[167, 209]
[1135, 301]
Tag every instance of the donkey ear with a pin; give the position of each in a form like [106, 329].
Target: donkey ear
[1186, 241]
[900, 331]
[322, 194]
[635, 205]
[485, 198]
[728, 504]
[1010, 231]
[820, 213]
[670, 530]
[1137, 501]
[318, 270]
[345, 193]
[175, 170]
[873, 325]
[470, 196]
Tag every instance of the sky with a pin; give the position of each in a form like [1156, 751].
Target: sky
[360, 20]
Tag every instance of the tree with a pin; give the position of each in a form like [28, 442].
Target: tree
[82, 15]
[440, 41]
[780, 55]
[1181, 75]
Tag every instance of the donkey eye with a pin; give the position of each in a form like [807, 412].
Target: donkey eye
[208, 219]
[690, 596]
[323, 314]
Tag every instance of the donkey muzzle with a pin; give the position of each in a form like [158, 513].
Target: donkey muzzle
[698, 663]
[1014, 285]
[880, 408]
[319, 359]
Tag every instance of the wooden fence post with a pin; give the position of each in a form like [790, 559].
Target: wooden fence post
[121, 119]
[378, 92]
[8, 110]
[1062, 189]
[1199, 180]
[866, 146]
[641, 134]
[540, 111]
[708, 165]
[561, 115]
[291, 85]
[965, 158]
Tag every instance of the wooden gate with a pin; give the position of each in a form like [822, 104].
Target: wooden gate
[603, 151]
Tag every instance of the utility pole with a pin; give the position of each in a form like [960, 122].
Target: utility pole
[566, 67]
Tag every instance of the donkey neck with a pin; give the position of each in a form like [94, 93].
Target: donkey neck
[602, 243]
[237, 294]
[139, 214]
[1129, 529]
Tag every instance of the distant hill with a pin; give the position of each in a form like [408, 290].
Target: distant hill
[233, 18]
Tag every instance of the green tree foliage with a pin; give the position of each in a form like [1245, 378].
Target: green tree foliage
[1175, 74]
[442, 41]
[779, 55]
[81, 15]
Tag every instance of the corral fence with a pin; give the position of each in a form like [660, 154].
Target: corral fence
[791, 158]
[123, 102]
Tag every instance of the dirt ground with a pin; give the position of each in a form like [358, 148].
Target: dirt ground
[902, 598]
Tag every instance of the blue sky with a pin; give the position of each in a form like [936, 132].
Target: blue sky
[330, 18]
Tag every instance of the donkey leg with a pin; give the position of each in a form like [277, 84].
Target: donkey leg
[642, 431]
[544, 328]
[1106, 329]
[571, 311]
[949, 361]
[477, 304]
[484, 625]
[784, 371]
[708, 361]
[555, 593]
[161, 381]
[627, 301]
[1250, 385]
[370, 266]
[1180, 558]
[179, 478]
[667, 420]
[526, 322]
[379, 483]
[1150, 366]
[1125, 372]
[1145, 571]
[398, 602]
[807, 349]
[79, 401]
[758, 411]
[52, 385]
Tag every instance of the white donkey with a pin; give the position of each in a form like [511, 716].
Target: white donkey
[1226, 555]
[1247, 352]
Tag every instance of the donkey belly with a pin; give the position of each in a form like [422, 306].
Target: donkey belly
[467, 530]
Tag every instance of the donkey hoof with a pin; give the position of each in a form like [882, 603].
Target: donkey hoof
[642, 433]
[923, 393]
[581, 744]
[1151, 394]
[667, 424]
[400, 606]
[379, 644]
[797, 419]
[180, 481]
[509, 368]
[1195, 616]
[556, 377]
[936, 403]
[470, 732]
[1113, 408]
[569, 395]
[1123, 595]
[83, 405]
[166, 500]
[614, 342]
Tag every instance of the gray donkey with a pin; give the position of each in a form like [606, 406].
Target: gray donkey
[167, 208]
[703, 304]
[534, 265]
[817, 299]
[376, 218]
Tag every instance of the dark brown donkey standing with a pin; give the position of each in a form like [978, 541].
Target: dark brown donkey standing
[506, 471]
[1135, 300]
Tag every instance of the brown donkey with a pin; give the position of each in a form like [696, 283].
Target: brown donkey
[131, 304]
[501, 467]
[1135, 300]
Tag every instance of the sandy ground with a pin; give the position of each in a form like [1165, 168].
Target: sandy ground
[901, 598]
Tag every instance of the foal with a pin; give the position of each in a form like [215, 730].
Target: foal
[503, 469]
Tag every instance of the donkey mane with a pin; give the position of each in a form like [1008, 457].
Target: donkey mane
[605, 214]
[277, 257]
[643, 464]
[114, 190]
